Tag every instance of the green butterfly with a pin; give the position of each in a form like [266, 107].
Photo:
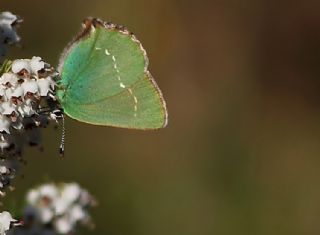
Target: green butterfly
[105, 80]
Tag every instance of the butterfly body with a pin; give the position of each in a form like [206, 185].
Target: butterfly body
[105, 80]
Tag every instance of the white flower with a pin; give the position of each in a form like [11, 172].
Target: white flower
[45, 85]
[3, 170]
[4, 124]
[33, 196]
[64, 209]
[2, 91]
[10, 78]
[49, 191]
[71, 192]
[77, 213]
[46, 215]
[30, 85]
[63, 225]
[14, 92]
[61, 206]
[8, 33]
[21, 64]
[7, 18]
[8, 107]
[5, 221]
[36, 64]
[26, 108]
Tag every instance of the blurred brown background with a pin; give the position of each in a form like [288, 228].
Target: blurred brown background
[241, 154]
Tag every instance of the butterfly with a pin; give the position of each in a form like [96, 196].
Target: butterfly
[105, 79]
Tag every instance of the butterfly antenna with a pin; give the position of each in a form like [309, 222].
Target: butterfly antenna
[63, 135]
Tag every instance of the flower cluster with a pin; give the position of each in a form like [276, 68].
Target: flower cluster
[27, 99]
[8, 34]
[62, 206]
[27, 103]
[21, 90]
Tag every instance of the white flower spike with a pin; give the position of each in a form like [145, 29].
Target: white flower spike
[8, 34]
[36, 64]
[9, 79]
[19, 65]
[7, 22]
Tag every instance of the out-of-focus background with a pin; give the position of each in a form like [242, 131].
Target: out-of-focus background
[241, 154]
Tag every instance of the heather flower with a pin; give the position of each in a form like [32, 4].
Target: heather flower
[27, 103]
[26, 89]
[5, 221]
[8, 34]
[58, 206]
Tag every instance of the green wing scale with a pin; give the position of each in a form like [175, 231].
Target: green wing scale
[105, 80]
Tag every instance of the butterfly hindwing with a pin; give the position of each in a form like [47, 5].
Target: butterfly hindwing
[105, 81]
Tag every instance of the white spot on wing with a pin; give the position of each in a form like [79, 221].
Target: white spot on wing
[115, 66]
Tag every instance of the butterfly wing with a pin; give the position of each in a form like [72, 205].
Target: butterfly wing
[105, 80]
